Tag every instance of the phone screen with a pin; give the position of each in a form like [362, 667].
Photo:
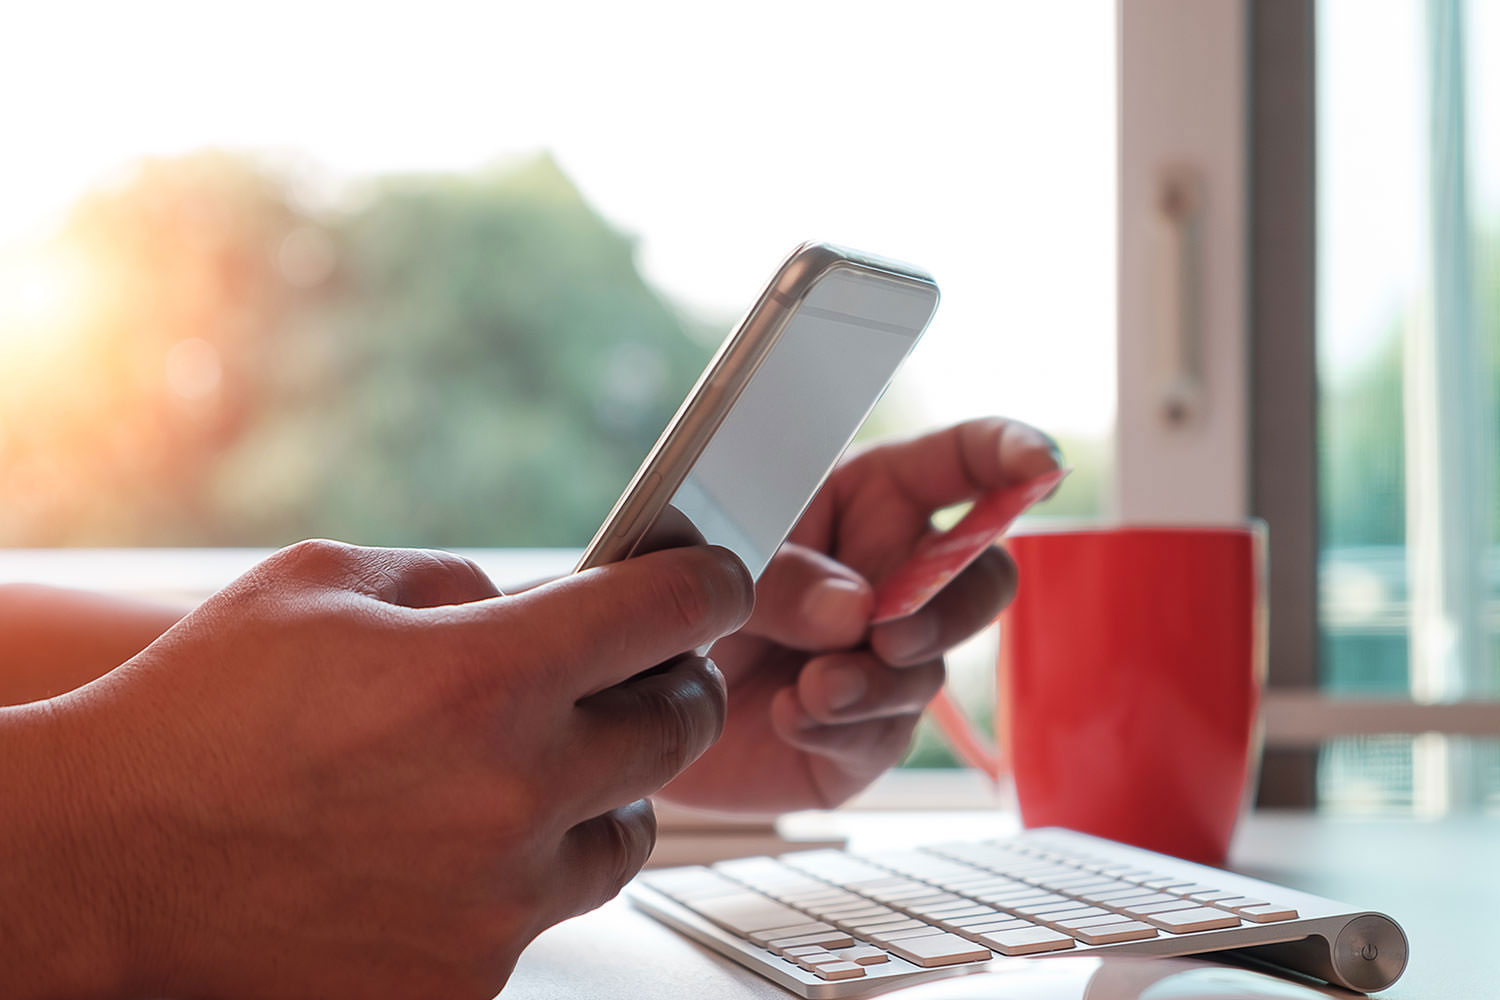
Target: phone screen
[798, 412]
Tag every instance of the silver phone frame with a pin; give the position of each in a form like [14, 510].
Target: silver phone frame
[707, 404]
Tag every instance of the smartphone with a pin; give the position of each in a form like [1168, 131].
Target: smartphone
[776, 407]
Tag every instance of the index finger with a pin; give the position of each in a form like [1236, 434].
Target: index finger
[967, 460]
[597, 628]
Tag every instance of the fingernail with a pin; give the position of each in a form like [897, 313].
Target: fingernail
[910, 639]
[1045, 440]
[834, 604]
[846, 686]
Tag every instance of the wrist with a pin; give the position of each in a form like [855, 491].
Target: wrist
[59, 913]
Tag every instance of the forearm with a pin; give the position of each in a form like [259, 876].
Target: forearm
[54, 640]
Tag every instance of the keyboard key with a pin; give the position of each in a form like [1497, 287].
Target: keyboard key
[933, 899]
[1238, 903]
[989, 885]
[1268, 914]
[864, 954]
[1168, 882]
[1199, 918]
[809, 900]
[939, 949]
[896, 893]
[1190, 889]
[888, 938]
[978, 918]
[953, 921]
[686, 884]
[792, 954]
[1075, 876]
[1026, 941]
[763, 938]
[1129, 899]
[825, 939]
[890, 923]
[1082, 888]
[967, 908]
[977, 931]
[835, 866]
[1130, 930]
[1108, 894]
[960, 883]
[812, 959]
[923, 865]
[1141, 911]
[1071, 923]
[1045, 910]
[1084, 911]
[1211, 897]
[851, 924]
[870, 930]
[837, 913]
[745, 912]
[1042, 900]
[1146, 900]
[839, 970]
[1010, 898]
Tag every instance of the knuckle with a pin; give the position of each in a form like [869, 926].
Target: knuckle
[683, 597]
[629, 837]
[315, 557]
[430, 576]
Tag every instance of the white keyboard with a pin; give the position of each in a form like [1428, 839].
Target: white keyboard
[836, 924]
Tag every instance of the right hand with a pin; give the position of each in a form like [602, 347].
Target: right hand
[362, 772]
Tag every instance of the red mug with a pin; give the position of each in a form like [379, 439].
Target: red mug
[1130, 669]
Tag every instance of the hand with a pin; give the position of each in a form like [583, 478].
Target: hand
[820, 703]
[359, 772]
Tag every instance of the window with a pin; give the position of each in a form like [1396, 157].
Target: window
[441, 283]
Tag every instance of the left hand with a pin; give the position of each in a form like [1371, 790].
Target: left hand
[820, 702]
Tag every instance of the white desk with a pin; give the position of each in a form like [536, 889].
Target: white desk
[1440, 880]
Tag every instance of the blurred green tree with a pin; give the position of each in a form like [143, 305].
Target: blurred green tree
[483, 366]
[1362, 430]
[460, 361]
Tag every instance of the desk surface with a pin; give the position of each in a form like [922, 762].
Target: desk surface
[1438, 879]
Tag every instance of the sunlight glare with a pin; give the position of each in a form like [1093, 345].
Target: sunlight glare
[41, 296]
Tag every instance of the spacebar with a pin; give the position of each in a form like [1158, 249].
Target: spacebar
[744, 913]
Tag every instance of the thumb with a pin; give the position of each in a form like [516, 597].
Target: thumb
[807, 600]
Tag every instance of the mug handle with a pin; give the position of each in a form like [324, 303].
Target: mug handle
[965, 739]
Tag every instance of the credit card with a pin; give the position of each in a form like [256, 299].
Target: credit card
[939, 558]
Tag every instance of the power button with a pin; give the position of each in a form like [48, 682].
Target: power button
[1370, 953]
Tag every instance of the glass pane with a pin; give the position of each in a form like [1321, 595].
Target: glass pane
[1385, 774]
[1409, 341]
[309, 287]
